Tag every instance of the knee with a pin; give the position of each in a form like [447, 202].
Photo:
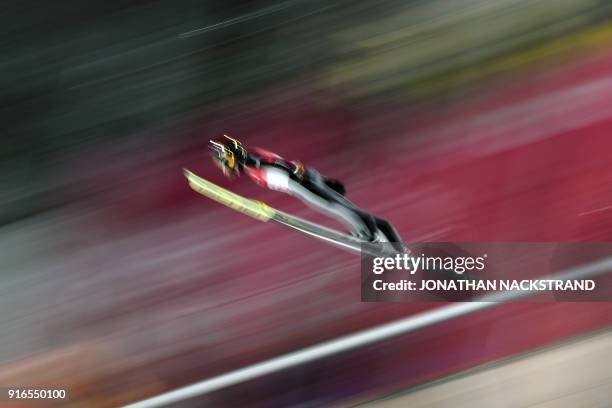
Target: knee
[335, 185]
[382, 222]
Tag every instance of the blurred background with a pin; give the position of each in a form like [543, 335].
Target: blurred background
[462, 120]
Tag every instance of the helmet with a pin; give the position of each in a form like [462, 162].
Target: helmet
[229, 154]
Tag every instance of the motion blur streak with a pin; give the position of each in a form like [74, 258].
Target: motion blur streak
[240, 19]
[457, 120]
[356, 340]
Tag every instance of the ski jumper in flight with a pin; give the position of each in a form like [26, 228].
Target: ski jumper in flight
[322, 193]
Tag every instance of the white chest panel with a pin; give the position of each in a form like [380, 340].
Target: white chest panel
[277, 179]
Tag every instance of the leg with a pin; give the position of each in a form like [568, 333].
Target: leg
[389, 231]
[335, 185]
[386, 228]
[361, 222]
[320, 186]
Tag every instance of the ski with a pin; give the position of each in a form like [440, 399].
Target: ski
[264, 213]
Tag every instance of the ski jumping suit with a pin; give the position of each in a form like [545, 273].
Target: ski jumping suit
[319, 192]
